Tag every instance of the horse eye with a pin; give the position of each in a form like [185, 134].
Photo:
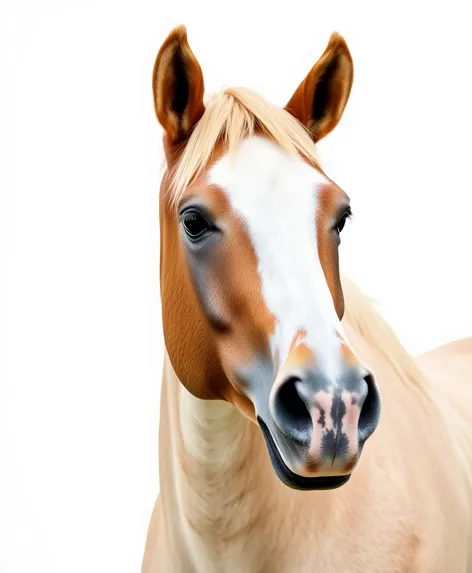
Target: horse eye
[194, 224]
[340, 225]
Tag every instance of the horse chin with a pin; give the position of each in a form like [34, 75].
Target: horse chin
[291, 479]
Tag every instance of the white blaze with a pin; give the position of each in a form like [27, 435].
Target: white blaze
[276, 195]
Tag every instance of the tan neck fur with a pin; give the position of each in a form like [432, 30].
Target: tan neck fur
[217, 496]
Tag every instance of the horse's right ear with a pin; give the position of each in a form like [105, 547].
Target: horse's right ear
[177, 85]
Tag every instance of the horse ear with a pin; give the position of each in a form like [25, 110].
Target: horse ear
[177, 85]
[319, 101]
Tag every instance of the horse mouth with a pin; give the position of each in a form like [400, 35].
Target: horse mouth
[291, 479]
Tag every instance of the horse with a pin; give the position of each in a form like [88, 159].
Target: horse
[296, 433]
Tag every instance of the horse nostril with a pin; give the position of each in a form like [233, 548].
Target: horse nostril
[370, 410]
[291, 413]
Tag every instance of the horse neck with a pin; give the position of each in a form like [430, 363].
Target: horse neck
[211, 460]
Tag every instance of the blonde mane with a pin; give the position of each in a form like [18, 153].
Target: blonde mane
[230, 116]
[360, 313]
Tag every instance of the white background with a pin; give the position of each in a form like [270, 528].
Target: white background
[80, 338]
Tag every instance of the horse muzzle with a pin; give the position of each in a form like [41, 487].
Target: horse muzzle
[315, 428]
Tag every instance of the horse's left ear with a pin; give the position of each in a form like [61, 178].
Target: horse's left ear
[319, 101]
[177, 86]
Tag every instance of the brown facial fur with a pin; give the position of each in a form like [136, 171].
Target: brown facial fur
[332, 202]
[245, 324]
[205, 356]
